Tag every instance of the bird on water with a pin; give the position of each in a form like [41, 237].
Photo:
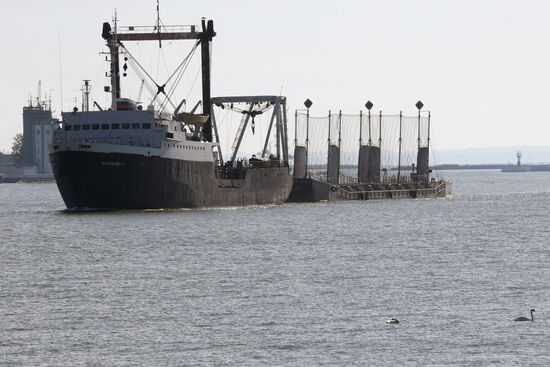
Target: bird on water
[392, 321]
[523, 318]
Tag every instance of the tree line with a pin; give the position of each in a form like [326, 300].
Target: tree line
[16, 149]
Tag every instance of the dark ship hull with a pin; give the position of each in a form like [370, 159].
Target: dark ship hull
[90, 180]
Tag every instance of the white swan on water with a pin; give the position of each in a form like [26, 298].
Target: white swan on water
[523, 318]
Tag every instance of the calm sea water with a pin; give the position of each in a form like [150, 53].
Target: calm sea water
[291, 285]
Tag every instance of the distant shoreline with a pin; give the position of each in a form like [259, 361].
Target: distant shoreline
[451, 167]
[445, 167]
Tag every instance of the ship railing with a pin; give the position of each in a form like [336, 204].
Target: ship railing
[265, 164]
[228, 171]
[112, 140]
[404, 181]
[353, 189]
[367, 191]
[439, 189]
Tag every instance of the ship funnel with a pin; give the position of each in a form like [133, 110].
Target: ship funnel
[106, 32]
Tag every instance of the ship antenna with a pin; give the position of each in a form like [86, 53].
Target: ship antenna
[60, 70]
[50, 100]
[158, 23]
[115, 19]
[115, 92]
[86, 95]
[38, 92]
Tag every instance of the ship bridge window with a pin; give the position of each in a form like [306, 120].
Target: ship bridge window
[68, 127]
[85, 127]
[76, 127]
[135, 126]
[104, 126]
[146, 126]
[125, 126]
[115, 126]
[95, 126]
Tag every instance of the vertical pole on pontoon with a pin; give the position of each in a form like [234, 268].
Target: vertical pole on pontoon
[400, 140]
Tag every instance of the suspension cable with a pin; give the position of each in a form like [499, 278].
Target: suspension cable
[176, 71]
[182, 69]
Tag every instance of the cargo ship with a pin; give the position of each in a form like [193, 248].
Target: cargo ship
[130, 156]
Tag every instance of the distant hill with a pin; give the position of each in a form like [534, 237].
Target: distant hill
[492, 155]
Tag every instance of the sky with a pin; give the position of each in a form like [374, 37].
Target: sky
[481, 67]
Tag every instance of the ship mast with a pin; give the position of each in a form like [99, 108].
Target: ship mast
[113, 43]
[205, 38]
[115, 39]
[86, 95]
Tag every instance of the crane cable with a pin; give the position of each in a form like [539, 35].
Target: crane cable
[160, 88]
